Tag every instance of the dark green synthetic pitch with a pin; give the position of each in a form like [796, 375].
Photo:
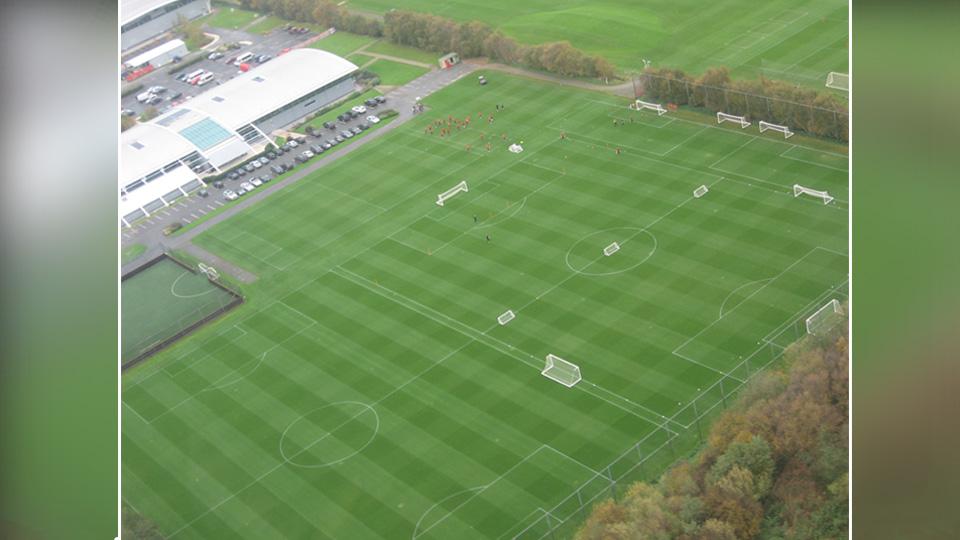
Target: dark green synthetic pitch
[366, 390]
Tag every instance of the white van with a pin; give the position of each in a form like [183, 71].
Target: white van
[204, 79]
[243, 58]
[194, 74]
[143, 97]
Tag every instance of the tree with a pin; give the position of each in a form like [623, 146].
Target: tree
[149, 113]
[752, 454]
[127, 122]
[714, 529]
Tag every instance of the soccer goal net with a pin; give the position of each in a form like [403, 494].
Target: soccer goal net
[641, 105]
[764, 126]
[724, 117]
[799, 190]
[506, 317]
[838, 81]
[700, 192]
[611, 249]
[824, 318]
[443, 197]
[209, 271]
[561, 371]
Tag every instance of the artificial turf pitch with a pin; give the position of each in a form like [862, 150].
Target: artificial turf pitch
[365, 390]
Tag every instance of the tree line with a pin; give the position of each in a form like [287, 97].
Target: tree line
[817, 112]
[774, 464]
[442, 35]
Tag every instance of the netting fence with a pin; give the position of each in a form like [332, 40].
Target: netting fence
[678, 437]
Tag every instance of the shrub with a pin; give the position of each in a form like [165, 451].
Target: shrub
[130, 89]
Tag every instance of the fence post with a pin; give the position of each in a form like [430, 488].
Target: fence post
[580, 500]
[640, 453]
[696, 417]
[723, 395]
[613, 484]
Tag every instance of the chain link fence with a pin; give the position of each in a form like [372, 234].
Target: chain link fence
[678, 437]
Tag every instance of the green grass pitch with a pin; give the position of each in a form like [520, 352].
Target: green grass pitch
[799, 41]
[366, 390]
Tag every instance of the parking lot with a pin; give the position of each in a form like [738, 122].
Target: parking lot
[271, 44]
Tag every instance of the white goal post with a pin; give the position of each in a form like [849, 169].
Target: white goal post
[209, 271]
[561, 371]
[724, 117]
[774, 127]
[506, 317]
[611, 249]
[824, 317]
[443, 197]
[838, 81]
[799, 190]
[640, 105]
[700, 192]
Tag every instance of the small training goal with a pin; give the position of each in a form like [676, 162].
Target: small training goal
[741, 120]
[611, 249]
[506, 317]
[209, 271]
[764, 126]
[838, 81]
[561, 371]
[824, 318]
[515, 148]
[799, 190]
[446, 195]
[700, 192]
[640, 105]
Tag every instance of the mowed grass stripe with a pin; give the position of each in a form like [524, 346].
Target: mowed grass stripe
[401, 330]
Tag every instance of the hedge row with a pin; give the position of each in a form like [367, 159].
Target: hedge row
[816, 112]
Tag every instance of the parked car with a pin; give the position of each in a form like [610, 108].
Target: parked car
[300, 159]
[371, 102]
[203, 193]
[307, 154]
[359, 109]
[127, 112]
[272, 155]
[247, 186]
[316, 148]
[216, 55]
[155, 100]
[326, 145]
[264, 160]
[175, 96]
[373, 119]
[241, 191]
[330, 125]
[249, 167]
[256, 164]
[363, 126]
[156, 90]
[293, 143]
[381, 99]
[218, 184]
[182, 77]
[256, 182]
[263, 58]
[277, 169]
[355, 130]
[287, 166]
[229, 195]
[266, 178]
[339, 139]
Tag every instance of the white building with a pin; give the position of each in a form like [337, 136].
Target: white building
[163, 160]
[141, 20]
[160, 55]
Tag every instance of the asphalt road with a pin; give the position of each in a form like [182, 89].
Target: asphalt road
[150, 233]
